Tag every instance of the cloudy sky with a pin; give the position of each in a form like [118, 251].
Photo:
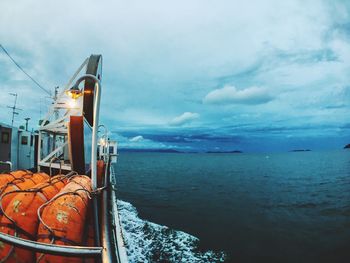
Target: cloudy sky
[191, 75]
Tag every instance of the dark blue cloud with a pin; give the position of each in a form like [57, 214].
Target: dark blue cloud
[249, 139]
[184, 137]
[307, 56]
[340, 106]
[158, 67]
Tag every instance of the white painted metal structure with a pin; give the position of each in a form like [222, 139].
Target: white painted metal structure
[16, 147]
[53, 130]
[53, 144]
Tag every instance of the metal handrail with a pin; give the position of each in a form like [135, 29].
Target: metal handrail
[77, 251]
[97, 98]
[7, 163]
[107, 256]
[96, 109]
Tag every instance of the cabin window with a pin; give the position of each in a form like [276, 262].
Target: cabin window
[5, 137]
[31, 140]
[24, 140]
[111, 149]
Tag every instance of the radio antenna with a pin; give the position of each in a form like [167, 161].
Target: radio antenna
[14, 108]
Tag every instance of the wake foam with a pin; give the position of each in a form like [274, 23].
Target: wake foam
[148, 242]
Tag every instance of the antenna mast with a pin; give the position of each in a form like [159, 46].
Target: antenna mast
[14, 108]
[55, 97]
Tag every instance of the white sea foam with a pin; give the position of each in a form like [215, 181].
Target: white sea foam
[148, 242]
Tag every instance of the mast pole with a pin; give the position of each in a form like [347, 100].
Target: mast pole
[14, 108]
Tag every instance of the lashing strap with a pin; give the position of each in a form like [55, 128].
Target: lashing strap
[10, 174]
[18, 229]
[52, 236]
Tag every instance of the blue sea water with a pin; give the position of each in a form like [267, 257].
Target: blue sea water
[280, 207]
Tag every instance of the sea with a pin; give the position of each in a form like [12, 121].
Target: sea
[222, 207]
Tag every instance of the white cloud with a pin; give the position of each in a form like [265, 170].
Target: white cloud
[184, 118]
[137, 142]
[229, 94]
[164, 47]
[136, 138]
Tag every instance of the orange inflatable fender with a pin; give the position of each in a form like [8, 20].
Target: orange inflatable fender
[20, 184]
[63, 218]
[9, 177]
[20, 217]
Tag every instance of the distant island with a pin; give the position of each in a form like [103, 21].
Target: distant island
[347, 146]
[301, 150]
[149, 150]
[132, 150]
[225, 151]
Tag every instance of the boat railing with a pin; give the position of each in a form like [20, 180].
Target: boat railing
[104, 234]
[70, 251]
[8, 164]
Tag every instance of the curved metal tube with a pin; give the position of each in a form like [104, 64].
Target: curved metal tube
[52, 249]
[95, 127]
[7, 163]
[96, 110]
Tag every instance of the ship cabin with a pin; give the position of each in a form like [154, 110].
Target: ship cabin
[17, 148]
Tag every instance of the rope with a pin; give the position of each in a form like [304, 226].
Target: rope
[18, 230]
[18, 180]
[8, 255]
[31, 190]
[53, 199]
[42, 254]
[51, 234]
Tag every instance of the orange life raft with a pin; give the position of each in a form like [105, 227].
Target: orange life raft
[23, 183]
[63, 218]
[9, 177]
[20, 217]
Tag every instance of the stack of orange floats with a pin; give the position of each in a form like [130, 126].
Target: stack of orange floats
[61, 220]
[10, 177]
[20, 216]
[62, 204]
[23, 183]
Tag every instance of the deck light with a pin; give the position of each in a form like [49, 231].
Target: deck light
[103, 142]
[74, 92]
[72, 103]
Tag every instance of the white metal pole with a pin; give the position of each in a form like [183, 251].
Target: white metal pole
[39, 152]
[94, 134]
[96, 110]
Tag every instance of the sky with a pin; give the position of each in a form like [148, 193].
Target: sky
[189, 75]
